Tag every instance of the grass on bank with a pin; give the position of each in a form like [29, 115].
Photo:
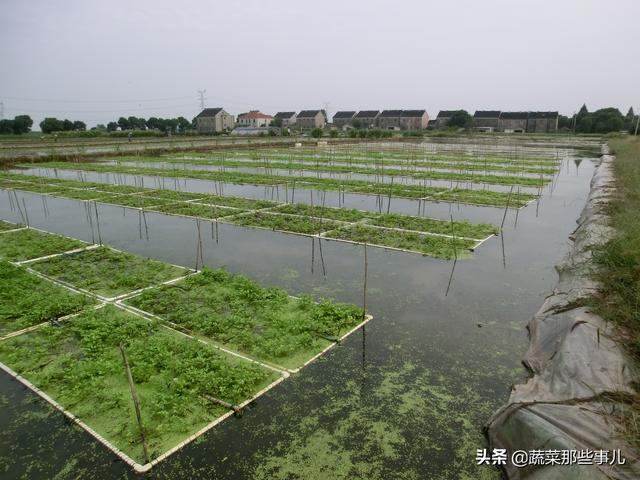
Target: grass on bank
[27, 300]
[80, 366]
[618, 261]
[106, 272]
[236, 312]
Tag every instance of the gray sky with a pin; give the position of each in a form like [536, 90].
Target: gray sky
[97, 60]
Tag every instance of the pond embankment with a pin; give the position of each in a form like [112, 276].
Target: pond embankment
[580, 373]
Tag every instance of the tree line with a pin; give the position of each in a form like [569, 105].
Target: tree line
[604, 120]
[19, 125]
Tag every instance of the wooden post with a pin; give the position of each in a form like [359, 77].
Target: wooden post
[136, 403]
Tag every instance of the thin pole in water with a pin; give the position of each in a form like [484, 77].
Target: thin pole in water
[455, 253]
[136, 403]
[506, 208]
[364, 287]
[95, 205]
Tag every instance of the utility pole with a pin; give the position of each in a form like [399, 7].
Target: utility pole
[202, 99]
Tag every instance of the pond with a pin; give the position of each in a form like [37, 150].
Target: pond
[405, 397]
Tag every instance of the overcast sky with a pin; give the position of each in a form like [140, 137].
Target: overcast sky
[97, 60]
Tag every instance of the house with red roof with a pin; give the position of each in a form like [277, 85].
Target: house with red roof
[254, 118]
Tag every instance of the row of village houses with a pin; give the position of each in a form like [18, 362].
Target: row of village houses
[212, 120]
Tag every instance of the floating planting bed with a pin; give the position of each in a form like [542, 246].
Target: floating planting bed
[432, 245]
[369, 156]
[28, 244]
[78, 367]
[284, 223]
[458, 173]
[83, 194]
[237, 202]
[107, 272]
[27, 300]
[136, 201]
[237, 313]
[460, 195]
[266, 160]
[393, 220]
[429, 225]
[207, 212]
[6, 226]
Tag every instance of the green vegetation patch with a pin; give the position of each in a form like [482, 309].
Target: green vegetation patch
[6, 226]
[27, 300]
[285, 223]
[238, 202]
[342, 214]
[472, 196]
[392, 220]
[137, 201]
[83, 194]
[434, 246]
[80, 366]
[263, 322]
[458, 228]
[196, 210]
[39, 187]
[28, 244]
[106, 272]
[105, 187]
[172, 194]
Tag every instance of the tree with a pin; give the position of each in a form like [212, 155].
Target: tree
[79, 126]
[565, 122]
[583, 110]
[6, 126]
[51, 124]
[604, 120]
[276, 122]
[630, 114]
[460, 119]
[22, 124]
[67, 125]
[356, 123]
[183, 124]
[316, 133]
[124, 124]
[112, 127]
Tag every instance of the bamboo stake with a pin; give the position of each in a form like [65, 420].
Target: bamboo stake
[95, 205]
[136, 403]
[506, 208]
[455, 254]
[364, 288]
